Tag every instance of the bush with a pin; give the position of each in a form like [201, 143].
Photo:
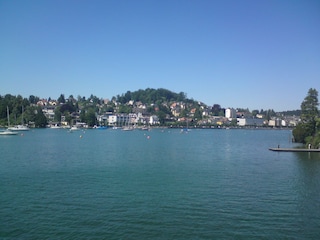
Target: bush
[300, 133]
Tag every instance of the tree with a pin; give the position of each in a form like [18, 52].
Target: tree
[33, 99]
[67, 107]
[300, 133]
[309, 110]
[197, 114]
[57, 114]
[90, 117]
[255, 112]
[61, 99]
[124, 109]
[162, 116]
[40, 119]
[306, 131]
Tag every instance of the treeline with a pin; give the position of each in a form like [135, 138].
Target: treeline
[150, 95]
[25, 110]
[21, 111]
[156, 102]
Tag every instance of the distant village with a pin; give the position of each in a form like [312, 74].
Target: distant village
[181, 115]
[139, 109]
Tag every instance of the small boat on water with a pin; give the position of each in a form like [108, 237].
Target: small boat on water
[100, 127]
[127, 128]
[74, 128]
[19, 128]
[8, 132]
[55, 126]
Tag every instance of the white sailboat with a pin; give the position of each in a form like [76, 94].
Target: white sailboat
[128, 127]
[19, 127]
[8, 131]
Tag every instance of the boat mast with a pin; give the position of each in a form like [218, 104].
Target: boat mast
[22, 120]
[8, 116]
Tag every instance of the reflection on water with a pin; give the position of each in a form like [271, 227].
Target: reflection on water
[308, 156]
[307, 187]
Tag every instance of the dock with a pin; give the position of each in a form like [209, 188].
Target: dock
[294, 150]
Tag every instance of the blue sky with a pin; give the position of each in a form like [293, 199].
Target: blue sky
[251, 54]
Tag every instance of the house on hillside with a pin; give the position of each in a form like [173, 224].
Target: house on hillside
[48, 111]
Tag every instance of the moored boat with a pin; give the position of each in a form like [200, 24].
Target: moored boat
[19, 128]
[8, 133]
[74, 128]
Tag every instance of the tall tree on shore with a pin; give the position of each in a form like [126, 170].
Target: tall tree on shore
[309, 115]
[309, 110]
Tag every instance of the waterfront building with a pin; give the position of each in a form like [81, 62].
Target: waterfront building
[230, 113]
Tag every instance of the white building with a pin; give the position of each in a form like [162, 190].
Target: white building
[118, 120]
[48, 111]
[272, 123]
[276, 122]
[230, 113]
[154, 120]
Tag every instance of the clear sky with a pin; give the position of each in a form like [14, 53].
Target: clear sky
[250, 54]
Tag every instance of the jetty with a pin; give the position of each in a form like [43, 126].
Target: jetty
[294, 149]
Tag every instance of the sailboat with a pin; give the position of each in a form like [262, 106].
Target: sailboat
[19, 127]
[8, 131]
[127, 127]
[185, 130]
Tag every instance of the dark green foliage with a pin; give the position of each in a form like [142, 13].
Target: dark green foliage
[151, 95]
[216, 110]
[67, 107]
[162, 112]
[255, 112]
[61, 99]
[197, 114]
[268, 113]
[33, 99]
[308, 130]
[57, 114]
[125, 109]
[300, 133]
[162, 116]
[16, 105]
[40, 119]
[89, 117]
[309, 110]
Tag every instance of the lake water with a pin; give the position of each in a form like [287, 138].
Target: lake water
[161, 184]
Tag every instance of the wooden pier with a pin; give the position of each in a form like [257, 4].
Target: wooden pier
[294, 150]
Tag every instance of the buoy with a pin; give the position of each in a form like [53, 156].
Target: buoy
[80, 136]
